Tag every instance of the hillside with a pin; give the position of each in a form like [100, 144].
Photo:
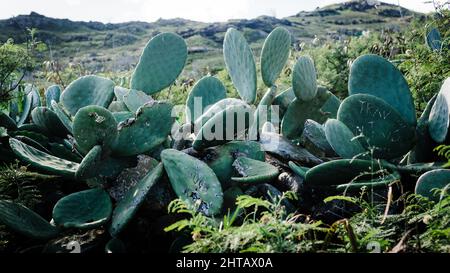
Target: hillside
[120, 44]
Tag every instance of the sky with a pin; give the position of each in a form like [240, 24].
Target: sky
[115, 11]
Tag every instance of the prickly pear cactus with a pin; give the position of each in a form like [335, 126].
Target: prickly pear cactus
[206, 92]
[87, 90]
[434, 39]
[52, 93]
[134, 99]
[254, 171]
[193, 181]
[135, 196]
[439, 120]
[48, 121]
[145, 131]
[274, 55]
[240, 64]
[436, 179]
[84, 210]
[343, 141]
[378, 126]
[304, 79]
[94, 125]
[63, 117]
[374, 75]
[161, 62]
[25, 221]
[43, 161]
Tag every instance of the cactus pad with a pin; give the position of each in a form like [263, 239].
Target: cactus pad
[25, 221]
[43, 161]
[436, 179]
[343, 141]
[84, 210]
[145, 131]
[48, 121]
[193, 181]
[52, 93]
[381, 127]
[210, 90]
[94, 125]
[161, 62]
[87, 90]
[134, 99]
[254, 171]
[128, 206]
[374, 75]
[275, 53]
[304, 79]
[240, 64]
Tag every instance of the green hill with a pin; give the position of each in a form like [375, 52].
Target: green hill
[116, 47]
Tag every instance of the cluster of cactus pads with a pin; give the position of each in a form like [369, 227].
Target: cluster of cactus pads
[95, 132]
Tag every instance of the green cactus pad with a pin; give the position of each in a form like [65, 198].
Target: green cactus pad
[217, 108]
[439, 119]
[436, 179]
[32, 143]
[84, 210]
[210, 90]
[374, 75]
[299, 111]
[343, 141]
[31, 90]
[144, 132]
[52, 93]
[378, 182]
[240, 64]
[38, 137]
[274, 54]
[304, 79]
[283, 100]
[314, 139]
[346, 171]
[282, 147]
[298, 170]
[160, 64]
[135, 196]
[117, 106]
[63, 117]
[88, 167]
[381, 126]
[94, 125]
[25, 221]
[61, 151]
[434, 40]
[30, 127]
[43, 161]
[87, 90]
[48, 121]
[26, 108]
[220, 158]
[254, 171]
[218, 129]
[193, 181]
[7, 122]
[423, 151]
[135, 99]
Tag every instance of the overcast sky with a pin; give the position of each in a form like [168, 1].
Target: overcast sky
[114, 11]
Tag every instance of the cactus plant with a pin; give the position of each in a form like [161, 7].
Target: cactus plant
[343, 141]
[128, 206]
[367, 115]
[160, 64]
[52, 93]
[87, 90]
[253, 171]
[304, 79]
[83, 210]
[435, 179]
[274, 54]
[434, 39]
[193, 181]
[209, 90]
[240, 64]
[25, 221]
[374, 75]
